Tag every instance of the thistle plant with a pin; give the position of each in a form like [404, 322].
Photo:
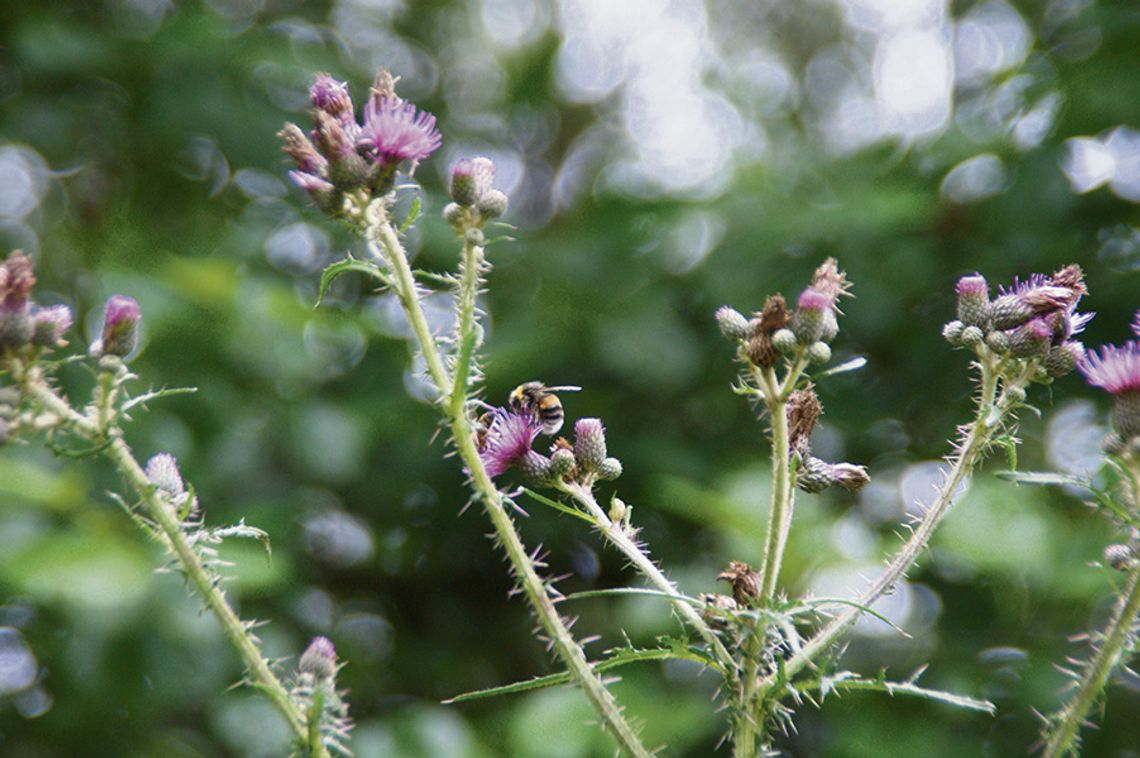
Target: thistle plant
[158, 500]
[1116, 370]
[770, 652]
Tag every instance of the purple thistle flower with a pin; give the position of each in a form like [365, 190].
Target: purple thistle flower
[319, 659]
[1114, 369]
[508, 440]
[471, 179]
[50, 325]
[395, 131]
[121, 318]
[331, 96]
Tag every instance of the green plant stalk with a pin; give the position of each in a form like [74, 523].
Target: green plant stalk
[261, 675]
[619, 538]
[992, 412]
[1063, 738]
[747, 727]
[471, 264]
[385, 245]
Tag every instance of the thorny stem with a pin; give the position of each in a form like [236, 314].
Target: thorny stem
[776, 393]
[992, 412]
[385, 245]
[471, 264]
[620, 538]
[1063, 736]
[260, 674]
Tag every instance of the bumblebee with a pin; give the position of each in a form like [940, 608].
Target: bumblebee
[541, 403]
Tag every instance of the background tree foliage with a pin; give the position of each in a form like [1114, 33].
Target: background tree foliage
[662, 159]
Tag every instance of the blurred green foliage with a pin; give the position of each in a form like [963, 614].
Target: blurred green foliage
[161, 177]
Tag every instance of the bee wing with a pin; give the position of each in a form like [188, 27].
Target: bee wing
[564, 388]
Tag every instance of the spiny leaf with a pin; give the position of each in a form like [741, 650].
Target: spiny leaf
[636, 591]
[848, 681]
[618, 657]
[413, 214]
[346, 264]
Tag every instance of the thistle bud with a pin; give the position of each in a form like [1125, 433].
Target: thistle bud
[619, 511]
[973, 300]
[470, 180]
[1010, 310]
[972, 336]
[16, 324]
[1126, 416]
[717, 607]
[162, 472]
[121, 318]
[819, 353]
[1031, 340]
[998, 341]
[331, 97]
[493, 204]
[745, 582]
[561, 463]
[1062, 359]
[589, 443]
[609, 469]
[952, 331]
[455, 215]
[319, 659]
[784, 340]
[817, 475]
[535, 466]
[808, 318]
[298, 147]
[732, 323]
[50, 324]
[1119, 557]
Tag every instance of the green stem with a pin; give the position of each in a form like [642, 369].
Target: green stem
[202, 580]
[386, 246]
[990, 417]
[783, 496]
[470, 266]
[619, 538]
[1063, 737]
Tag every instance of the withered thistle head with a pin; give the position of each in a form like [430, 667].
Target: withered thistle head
[745, 582]
[804, 409]
[773, 317]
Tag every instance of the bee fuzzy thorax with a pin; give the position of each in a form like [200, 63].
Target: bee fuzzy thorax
[541, 403]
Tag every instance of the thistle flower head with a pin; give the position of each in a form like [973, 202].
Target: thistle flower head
[394, 131]
[121, 318]
[162, 472]
[508, 440]
[832, 282]
[973, 300]
[1115, 369]
[331, 97]
[50, 324]
[319, 659]
[471, 179]
[589, 443]
[17, 276]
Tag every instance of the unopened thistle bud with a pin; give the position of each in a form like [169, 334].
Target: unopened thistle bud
[609, 469]
[1030, 340]
[817, 475]
[121, 318]
[51, 324]
[1010, 310]
[745, 582]
[785, 341]
[162, 472]
[732, 323]
[819, 353]
[771, 319]
[331, 97]
[1119, 557]
[470, 180]
[319, 659]
[619, 511]
[952, 331]
[973, 300]
[998, 342]
[808, 318]
[561, 463]
[589, 443]
[455, 215]
[1062, 359]
[493, 204]
[972, 336]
